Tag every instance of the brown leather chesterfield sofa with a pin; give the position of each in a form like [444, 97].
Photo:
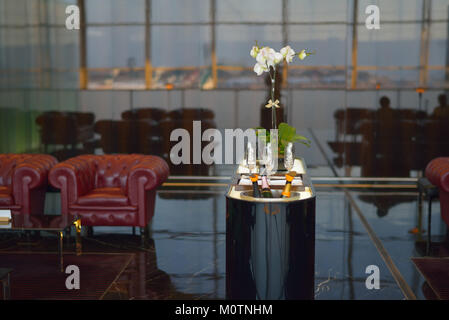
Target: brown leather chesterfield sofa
[62, 133]
[110, 190]
[23, 182]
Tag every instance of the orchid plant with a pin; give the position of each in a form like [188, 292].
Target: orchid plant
[266, 61]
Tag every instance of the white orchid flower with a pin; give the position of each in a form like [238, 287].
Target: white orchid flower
[254, 51]
[302, 55]
[260, 68]
[278, 57]
[288, 53]
[266, 56]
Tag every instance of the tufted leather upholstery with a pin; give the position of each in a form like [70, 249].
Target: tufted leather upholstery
[156, 114]
[437, 172]
[65, 128]
[129, 136]
[190, 114]
[167, 127]
[109, 190]
[23, 182]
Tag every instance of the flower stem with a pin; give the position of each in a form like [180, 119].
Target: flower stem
[273, 108]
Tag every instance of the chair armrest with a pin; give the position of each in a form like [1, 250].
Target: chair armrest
[437, 171]
[33, 172]
[75, 177]
[148, 174]
[29, 175]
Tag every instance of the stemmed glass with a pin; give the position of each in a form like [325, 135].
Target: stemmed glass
[288, 157]
[268, 160]
[251, 157]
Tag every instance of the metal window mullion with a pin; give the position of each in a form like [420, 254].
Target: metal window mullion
[284, 40]
[148, 64]
[48, 54]
[83, 48]
[447, 53]
[354, 45]
[39, 41]
[248, 23]
[424, 46]
[213, 44]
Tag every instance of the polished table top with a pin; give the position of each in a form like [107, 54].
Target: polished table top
[303, 192]
[37, 222]
[4, 272]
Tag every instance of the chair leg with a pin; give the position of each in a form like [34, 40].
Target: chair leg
[429, 227]
[146, 234]
[420, 198]
[143, 236]
[150, 228]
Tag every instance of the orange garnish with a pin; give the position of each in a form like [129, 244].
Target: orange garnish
[254, 177]
[290, 176]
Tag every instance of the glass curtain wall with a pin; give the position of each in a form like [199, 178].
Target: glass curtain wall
[138, 69]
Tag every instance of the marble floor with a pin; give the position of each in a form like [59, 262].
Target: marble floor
[195, 235]
[185, 257]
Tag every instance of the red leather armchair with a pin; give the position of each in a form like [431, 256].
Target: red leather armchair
[109, 190]
[23, 182]
[437, 171]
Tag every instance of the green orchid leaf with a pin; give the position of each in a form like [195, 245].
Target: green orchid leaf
[299, 137]
[286, 134]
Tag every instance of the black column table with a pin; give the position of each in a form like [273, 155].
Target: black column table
[270, 242]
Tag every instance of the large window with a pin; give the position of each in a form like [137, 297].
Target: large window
[205, 43]
[36, 49]
[158, 44]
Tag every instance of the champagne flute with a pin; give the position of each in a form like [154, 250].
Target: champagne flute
[269, 160]
[251, 158]
[288, 157]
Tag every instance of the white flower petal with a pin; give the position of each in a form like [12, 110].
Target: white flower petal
[260, 58]
[278, 57]
[254, 51]
[259, 68]
[266, 56]
[284, 51]
[288, 53]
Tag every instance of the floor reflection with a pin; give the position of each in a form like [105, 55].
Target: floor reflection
[143, 130]
[196, 237]
[343, 251]
[185, 259]
[375, 140]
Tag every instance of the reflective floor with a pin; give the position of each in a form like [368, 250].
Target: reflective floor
[195, 235]
[185, 258]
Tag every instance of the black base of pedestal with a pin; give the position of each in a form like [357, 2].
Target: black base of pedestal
[270, 250]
